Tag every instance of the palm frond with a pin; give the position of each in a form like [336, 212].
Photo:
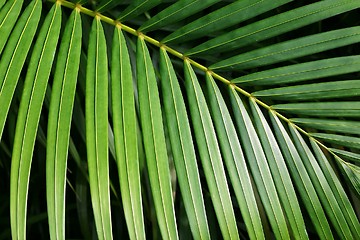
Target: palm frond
[224, 119]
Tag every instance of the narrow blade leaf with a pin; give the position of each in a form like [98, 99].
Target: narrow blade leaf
[176, 12]
[138, 7]
[327, 90]
[183, 149]
[346, 141]
[326, 109]
[337, 189]
[291, 49]
[302, 71]
[59, 122]
[96, 116]
[280, 172]
[302, 180]
[259, 167]
[105, 5]
[276, 25]
[14, 56]
[342, 126]
[154, 142]
[222, 18]
[322, 187]
[235, 161]
[352, 172]
[125, 136]
[8, 16]
[347, 155]
[29, 115]
[210, 155]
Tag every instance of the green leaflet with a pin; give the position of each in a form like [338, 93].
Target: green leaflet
[96, 117]
[125, 136]
[234, 160]
[276, 25]
[107, 4]
[222, 18]
[29, 115]
[210, 155]
[183, 149]
[280, 173]
[59, 122]
[329, 124]
[322, 186]
[302, 71]
[8, 16]
[302, 180]
[83, 208]
[347, 155]
[346, 141]
[154, 142]
[14, 55]
[137, 7]
[176, 12]
[326, 109]
[352, 173]
[259, 167]
[326, 90]
[337, 189]
[291, 49]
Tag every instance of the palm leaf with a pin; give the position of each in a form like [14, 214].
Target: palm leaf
[225, 17]
[183, 149]
[124, 119]
[227, 120]
[96, 116]
[30, 107]
[284, 185]
[275, 25]
[210, 155]
[60, 111]
[260, 168]
[235, 161]
[154, 140]
[8, 14]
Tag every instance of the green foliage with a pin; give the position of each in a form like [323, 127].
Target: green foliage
[223, 119]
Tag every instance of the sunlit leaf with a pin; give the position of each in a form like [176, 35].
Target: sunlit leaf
[302, 180]
[183, 149]
[280, 173]
[28, 118]
[235, 160]
[259, 167]
[60, 114]
[96, 115]
[125, 136]
[338, 190]
[14, 56]
[154, 143]
[322, 187]
[8, 14]
[210, 155]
